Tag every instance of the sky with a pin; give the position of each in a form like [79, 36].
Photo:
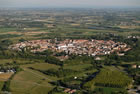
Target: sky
[69, 3]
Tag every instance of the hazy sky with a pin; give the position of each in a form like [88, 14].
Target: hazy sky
[69, 3]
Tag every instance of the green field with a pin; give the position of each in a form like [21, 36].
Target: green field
[109, 90]
[110, 77]
[1, 85]
[29, 81]
[42, 66]
[78, 67]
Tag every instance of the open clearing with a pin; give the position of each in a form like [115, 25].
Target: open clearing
[30, 81]
[5, 76]
[42, 66]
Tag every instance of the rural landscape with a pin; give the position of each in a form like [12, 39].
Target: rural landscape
[70, 51]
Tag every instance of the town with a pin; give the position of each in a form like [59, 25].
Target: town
[78, 47]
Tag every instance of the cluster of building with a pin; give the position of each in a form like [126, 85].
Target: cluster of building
[7, 71]
[70, 91]
[69, 46]
[133, 37]
[136, 90]
[135, 66]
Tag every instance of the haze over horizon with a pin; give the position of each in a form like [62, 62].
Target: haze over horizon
[68, 3]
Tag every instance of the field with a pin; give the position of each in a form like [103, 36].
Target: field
[30, 81]
[78, 67]
[19, 61]
[42, 66]
[5, 76]
[109, 90]
[1, 85]
[110, 77]
[66, 32]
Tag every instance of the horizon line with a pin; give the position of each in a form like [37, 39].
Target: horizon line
[78, 7]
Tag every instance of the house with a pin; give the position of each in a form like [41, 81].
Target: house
[121, 54]
[1, 72]
[67, 90]
[72, 91]
[97, 58]
[75, 77]
[134, 66]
